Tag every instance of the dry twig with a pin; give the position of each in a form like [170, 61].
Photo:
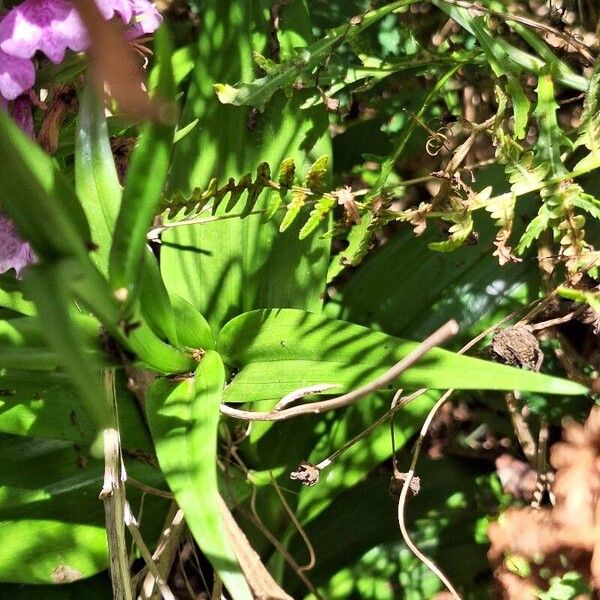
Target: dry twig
[438, 337]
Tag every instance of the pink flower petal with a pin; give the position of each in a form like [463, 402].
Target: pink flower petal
[146, 19]
[17, 75]
[108, 8]
[51, 26]
[14, 252]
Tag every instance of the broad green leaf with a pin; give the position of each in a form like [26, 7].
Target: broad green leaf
[51, 520]
[144, 182]
[25, 559]
[183, 417]
[93, 292]
[226, 267]
[182, 63]
[46, 405]
[96, 180]
[38, 198]
[278, 351]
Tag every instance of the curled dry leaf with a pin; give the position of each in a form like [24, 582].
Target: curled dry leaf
[345, 198]
[516, 476]
[64, 102]
[550, 542]
[306, 474]
[518, 347]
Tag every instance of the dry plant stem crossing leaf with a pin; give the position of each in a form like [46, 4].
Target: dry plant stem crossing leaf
[435, 339]
[255, 519]
[399, 402]
[113, 495]
[262, 584]
[165, 552]
[402, 502]
[301, 392]
[134, 530]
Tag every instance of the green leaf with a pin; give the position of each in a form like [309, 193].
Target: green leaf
[588, 133]
[551, 138]
[521, 106]
[317, 175]
[183, 418]
[278, 351]
[144, 183]
[293, 209]
[38, 198]
[414, 296]
[24, 344]
[46, 405]
[320, 212]
[49, 287]
[154, 300]
[193, 331]
[459, 233]
[228, 266]
[13, 297]
[503, 56]
[96, 180]
[259, 92]
[93, 292]
[51, 520]
[534, 229]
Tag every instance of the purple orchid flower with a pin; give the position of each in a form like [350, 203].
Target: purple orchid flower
[14, 252]
[53, 27]
[16, 75]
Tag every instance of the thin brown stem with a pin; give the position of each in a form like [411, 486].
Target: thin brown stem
[403, 495]
[134, 530]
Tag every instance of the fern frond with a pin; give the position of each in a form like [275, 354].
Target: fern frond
[322, 208]
[293, 209]
[317, 174]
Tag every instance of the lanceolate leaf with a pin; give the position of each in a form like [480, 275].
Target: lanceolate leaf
[278, 351]
[49, 287]
[96, 180]
[37, 196]
[183, 417]
[144, 184]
